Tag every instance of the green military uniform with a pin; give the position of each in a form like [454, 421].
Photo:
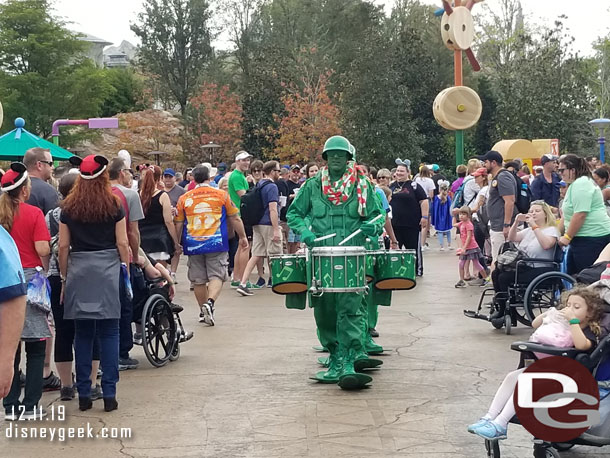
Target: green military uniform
[341, 318]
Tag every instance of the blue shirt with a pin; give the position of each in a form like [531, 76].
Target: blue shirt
[269, 193]
[12, 280]
[384, 199]
[543, 190]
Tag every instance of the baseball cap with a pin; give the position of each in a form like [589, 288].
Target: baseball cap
[547, 158]
[169, 172]
[492, 156]
[482, 171]
[435, 168]
[242, 155]
[222, 167]
[295, 167]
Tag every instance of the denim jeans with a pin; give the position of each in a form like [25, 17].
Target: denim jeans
[446, 234]
[85, 332]
[125, 332]
[34, 366]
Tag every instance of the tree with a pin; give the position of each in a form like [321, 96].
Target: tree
[150, 130]
[176, 43]
[44, 75]
[128, 95]
[214, 115]
[310, 118]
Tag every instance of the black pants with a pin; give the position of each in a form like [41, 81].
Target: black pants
[125, 332]
[64, 329]
[34, 367]
[409, 238]
[584, 251]
[503, 280]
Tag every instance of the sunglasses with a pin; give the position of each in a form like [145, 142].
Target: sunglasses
[49, 163]
[384, 178]
[256, 171]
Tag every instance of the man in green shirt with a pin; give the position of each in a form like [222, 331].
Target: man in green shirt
[238, 185]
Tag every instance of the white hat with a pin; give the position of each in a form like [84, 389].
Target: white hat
[124, 154]
[242, 155]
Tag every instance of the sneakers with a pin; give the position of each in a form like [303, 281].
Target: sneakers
[477, 282]
[479, 423]
[51, 383]
[235, 284]
[460, 284]
[254, 285]
[373, 332]
[128, 363]
[442, 248]
[261, 282]
[490, 431]
[96, 392]
[269, 283]
[66, 393]
[244, 290]
[137, 338]
[207, 313]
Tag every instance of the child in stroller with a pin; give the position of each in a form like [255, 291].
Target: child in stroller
[584, 310]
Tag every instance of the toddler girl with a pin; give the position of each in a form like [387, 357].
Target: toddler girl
[582, 310]
[441, 214]
[470, 250]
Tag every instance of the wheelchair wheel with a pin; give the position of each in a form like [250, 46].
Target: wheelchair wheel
[507, 323]
[561, 446]
[544, 292]
[158, 330]
[175, 353]
[492, 448]
[545, 451]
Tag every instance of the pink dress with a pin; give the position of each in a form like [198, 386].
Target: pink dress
[555, 331]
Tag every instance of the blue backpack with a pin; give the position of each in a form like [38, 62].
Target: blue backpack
[458, 197]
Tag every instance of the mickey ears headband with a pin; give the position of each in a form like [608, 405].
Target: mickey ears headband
[14, 177]
[406, 163]
[90, 167]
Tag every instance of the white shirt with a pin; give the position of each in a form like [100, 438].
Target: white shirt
[531, 246]
[471, 189]
[426, 183]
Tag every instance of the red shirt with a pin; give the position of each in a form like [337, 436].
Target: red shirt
[28, 227]
[192, 185]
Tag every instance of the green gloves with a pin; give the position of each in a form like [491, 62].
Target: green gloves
[369, 229]
[307, 237]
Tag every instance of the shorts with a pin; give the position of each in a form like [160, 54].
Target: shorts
[293, 238]
[497, 240]
[262, 241]
[204, 267]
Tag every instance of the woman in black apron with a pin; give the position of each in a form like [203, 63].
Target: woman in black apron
[92, 245]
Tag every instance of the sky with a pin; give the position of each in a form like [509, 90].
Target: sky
[109, 19]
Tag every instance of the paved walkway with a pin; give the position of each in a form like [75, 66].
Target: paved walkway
[241, 389]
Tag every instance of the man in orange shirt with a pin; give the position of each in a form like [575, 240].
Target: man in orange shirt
[204, 239]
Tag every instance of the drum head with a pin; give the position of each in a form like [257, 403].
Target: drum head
[289, 288]
[395, 284]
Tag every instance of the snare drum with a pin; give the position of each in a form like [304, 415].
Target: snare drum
[395, 269]
[338, 269]
[371, 261]
[288, 274]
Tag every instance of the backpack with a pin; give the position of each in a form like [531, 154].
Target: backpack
[458, 197]
[523, 196]
[251, 206]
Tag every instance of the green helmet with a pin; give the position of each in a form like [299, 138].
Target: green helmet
[337, 143]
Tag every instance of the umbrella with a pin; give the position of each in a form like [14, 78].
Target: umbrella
[15, 143]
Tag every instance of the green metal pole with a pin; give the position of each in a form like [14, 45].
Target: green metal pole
[56, 141]
[459, 147]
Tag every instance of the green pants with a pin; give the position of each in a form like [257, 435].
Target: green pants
[341, 320]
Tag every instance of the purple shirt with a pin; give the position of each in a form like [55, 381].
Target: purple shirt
[456, 184]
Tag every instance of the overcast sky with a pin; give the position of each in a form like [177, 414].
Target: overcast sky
[109, 19]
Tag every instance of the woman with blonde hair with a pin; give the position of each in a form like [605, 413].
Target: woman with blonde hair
[538, 240]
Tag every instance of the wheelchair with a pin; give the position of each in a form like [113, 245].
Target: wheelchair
[162, 328]
[525, 301]
[598, 362]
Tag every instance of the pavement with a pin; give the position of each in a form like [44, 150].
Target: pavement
[241, 388]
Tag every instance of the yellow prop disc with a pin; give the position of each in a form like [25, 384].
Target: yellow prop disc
[457, 108]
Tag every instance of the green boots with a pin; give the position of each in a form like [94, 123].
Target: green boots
[350, 379]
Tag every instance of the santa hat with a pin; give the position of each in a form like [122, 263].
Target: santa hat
[92, 166]
[14, 177]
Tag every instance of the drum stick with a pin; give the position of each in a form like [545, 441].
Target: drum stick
[319, 239]
[354, 234]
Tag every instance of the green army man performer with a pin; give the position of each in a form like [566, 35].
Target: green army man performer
[339, 199]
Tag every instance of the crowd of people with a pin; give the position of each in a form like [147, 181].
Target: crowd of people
[106, 221]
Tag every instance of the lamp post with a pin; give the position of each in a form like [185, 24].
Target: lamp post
[600, 125]
[211, 147]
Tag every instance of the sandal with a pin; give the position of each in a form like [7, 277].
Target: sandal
[51, 383]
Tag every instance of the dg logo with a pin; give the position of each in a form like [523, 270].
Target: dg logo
[557, 399]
